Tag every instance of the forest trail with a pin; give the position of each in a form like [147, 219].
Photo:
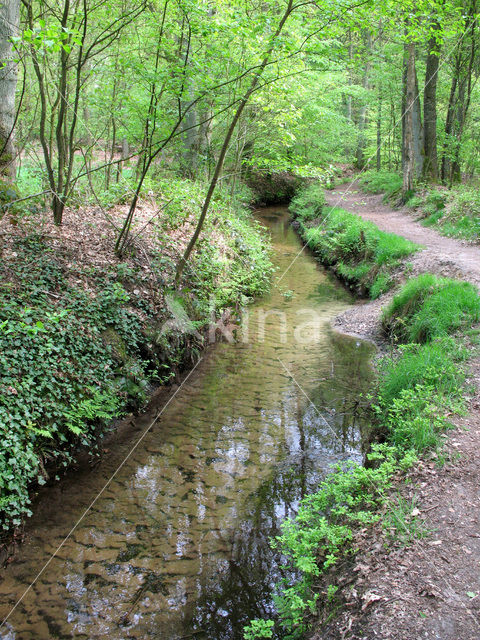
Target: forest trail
[442, 255]
[431, 589]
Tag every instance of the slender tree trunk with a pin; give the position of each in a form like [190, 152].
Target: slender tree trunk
[430, 166]
[9, 22]
[379, 128]
[226, 142]
[362, 118]
[448, 128]
[409, 148]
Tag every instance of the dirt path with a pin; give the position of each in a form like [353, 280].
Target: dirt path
[430, 590]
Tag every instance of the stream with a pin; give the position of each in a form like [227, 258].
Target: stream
[177, 546]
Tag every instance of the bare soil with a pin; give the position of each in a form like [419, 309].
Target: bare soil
[430, 589]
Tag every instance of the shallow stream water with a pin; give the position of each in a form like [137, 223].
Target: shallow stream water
[177, 546]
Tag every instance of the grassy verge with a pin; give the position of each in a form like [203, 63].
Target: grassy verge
[387, 182]
[358, 252]
[419, 386]
[83, 337]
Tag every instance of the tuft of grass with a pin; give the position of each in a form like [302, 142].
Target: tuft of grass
[429, 307]
[401, 523]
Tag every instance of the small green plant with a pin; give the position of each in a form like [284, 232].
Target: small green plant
[331, 592]
[258, 630]
[402, 523]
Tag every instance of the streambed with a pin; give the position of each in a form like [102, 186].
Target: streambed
[177, 546]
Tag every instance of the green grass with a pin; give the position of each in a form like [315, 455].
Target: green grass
[360, 253]
[428, 307]
[433, 364]
[386, 182]
[401, 523]
[455, 212]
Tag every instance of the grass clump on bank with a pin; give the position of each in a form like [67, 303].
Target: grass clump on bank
[430, 307]
[418, 387]
[456, 213]
[358, 251]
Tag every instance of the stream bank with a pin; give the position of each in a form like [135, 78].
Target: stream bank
[178, 543]
[86, 337]
[412, 570]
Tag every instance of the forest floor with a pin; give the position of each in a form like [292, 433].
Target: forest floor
[430, 589]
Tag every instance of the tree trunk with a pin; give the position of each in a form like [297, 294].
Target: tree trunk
[9, 22]
[379, 128]
[408, 137]
[362, 117]
[417, 125]
[226, 142]
[430, 166]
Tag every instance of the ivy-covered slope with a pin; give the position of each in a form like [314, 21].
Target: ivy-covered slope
[83, 339]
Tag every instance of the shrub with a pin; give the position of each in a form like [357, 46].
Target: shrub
[308, 204]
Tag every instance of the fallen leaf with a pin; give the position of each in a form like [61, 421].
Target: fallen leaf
[369, 598]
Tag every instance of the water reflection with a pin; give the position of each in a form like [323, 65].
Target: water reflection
[178, 543]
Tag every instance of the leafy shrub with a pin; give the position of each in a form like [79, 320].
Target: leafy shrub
[322, 531]
[308, 204]
[272, 187]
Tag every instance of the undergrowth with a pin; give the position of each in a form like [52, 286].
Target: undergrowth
[454, 213]
[81, 344]
[419, 385]
[386, 182]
